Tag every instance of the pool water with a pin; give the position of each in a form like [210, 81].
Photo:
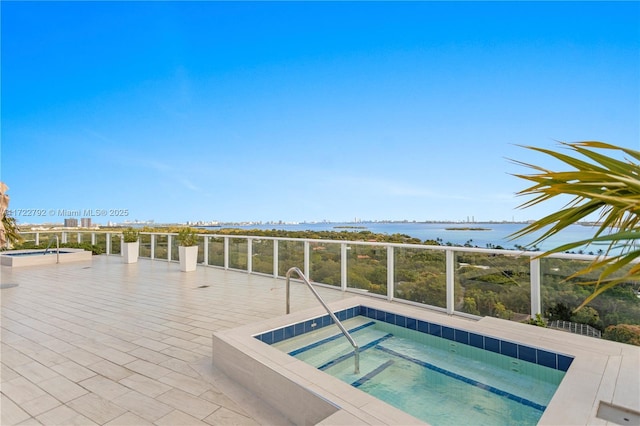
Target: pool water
[439, 381]
[35, 253]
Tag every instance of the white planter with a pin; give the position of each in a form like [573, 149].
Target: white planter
[188, 258]
[130, 252]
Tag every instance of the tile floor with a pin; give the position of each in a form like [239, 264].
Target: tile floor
[110, 343]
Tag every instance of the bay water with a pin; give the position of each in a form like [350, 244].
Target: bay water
[481, 235]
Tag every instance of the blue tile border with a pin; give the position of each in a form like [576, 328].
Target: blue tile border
[503, 347]
[476, 340]
[339, 359]
[362, 380]
[491, 344]
[472, 382]
[548, 359]
[508, 349]
[328, 339]
[527, 353]
[448, 333]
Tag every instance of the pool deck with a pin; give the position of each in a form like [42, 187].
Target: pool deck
[105, 342]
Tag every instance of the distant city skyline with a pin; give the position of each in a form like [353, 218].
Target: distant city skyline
[304, 111]
[89, 223]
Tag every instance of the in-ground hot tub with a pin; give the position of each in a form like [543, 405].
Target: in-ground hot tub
[32, 257]
[601, 383]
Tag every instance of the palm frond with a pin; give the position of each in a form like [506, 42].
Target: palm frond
[602, 185]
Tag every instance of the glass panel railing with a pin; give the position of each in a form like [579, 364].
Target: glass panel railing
[116, 240]
[493, 285]
[561, 295]
[200, 258]
[73, 237]
[420, 276]
[367, 268]
[101, 241]
[485, 283]
[161, 249]
[262, 256]
[145, 245]
[216, 251]
[175, 252]
[324, 262]
[49, 238]
[29, 238]
[238, 253]
[290, 254]
[82, 237]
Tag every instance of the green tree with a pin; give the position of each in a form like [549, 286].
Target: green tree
[602, 185]
[624, 333]
[470, 306]
[589, 316]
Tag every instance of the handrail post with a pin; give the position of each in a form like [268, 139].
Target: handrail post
[249, 255]
[57, 247]
[534, 276]
[356, 348]
[390, 273]
[450, 281]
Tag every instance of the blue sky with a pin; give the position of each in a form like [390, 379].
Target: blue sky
[291, 111]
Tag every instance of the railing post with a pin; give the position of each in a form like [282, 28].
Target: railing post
[306, 266]
[64, 237]
[534, 274]
[390, 273]
[450, 266]
[276, 261]
[343, 266]
[205, 247]
[226, 252]
[249, 253]
[93, 238]
[79, 237]
[169, 247]
[37, 238]
[108, 243]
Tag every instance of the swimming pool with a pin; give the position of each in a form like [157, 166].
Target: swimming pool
[436, 373]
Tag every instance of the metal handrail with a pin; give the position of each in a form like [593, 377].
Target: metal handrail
[57, 248]
[356, 348]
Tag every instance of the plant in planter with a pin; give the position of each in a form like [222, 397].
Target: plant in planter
[188, 249]
[130, 245]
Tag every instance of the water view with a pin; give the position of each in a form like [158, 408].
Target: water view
[481, 235]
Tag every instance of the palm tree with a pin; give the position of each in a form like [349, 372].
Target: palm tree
[8, 228]
[605, 186]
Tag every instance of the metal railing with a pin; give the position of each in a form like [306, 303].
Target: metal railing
[57, 248]
[576, 328]
[356, 348]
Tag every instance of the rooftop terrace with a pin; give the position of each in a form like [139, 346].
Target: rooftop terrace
[104, 342]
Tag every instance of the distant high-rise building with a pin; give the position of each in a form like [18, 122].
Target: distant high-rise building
[85, 222]
[71, 223]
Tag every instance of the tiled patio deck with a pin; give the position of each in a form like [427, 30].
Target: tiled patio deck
[104, 342]
[129, 344]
